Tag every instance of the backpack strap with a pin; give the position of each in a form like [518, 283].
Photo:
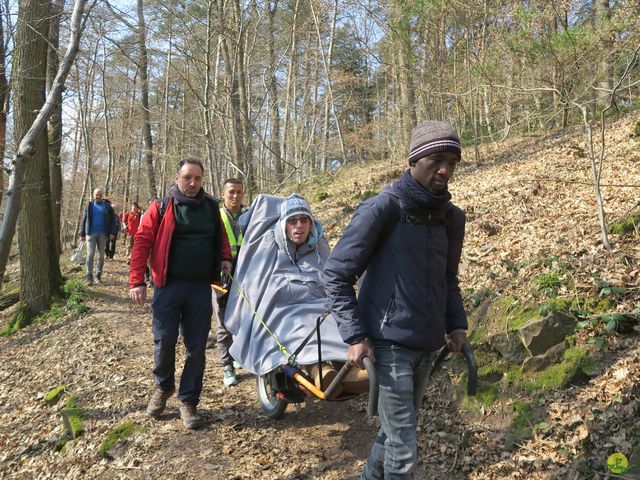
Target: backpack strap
[162, 208]
[412, 219]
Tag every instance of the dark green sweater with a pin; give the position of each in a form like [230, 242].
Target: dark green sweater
[192, 253]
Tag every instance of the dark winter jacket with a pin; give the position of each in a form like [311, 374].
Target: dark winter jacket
[109, 222]
[409, 294]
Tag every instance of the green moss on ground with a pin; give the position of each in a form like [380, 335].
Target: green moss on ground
[523, 420]
[73, 417]
[576, 363]
[117, 434]
[71, 301]
[626, 225]
[20, 319]
[54, 395]
[488, 394]
[478, 335]
[61, 443]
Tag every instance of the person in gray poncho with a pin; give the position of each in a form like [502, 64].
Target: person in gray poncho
[279, 273]
[301, 237]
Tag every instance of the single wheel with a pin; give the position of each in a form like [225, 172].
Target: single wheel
[273, 406]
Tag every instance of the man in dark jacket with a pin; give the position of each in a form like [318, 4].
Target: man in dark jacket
[407, 241]
[98, 223]
[188, 248]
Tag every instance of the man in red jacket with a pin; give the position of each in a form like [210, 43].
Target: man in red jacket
[188, 246]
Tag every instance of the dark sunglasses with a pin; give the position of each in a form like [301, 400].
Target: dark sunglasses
[303, 220]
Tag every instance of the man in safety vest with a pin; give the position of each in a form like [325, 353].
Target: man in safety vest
[231, 209]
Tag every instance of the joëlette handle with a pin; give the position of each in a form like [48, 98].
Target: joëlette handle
[372, 408]
[472, 384]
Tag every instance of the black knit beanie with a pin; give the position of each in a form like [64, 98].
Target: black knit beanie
[431, 136]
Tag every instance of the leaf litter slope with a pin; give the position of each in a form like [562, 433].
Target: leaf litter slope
[528, 198]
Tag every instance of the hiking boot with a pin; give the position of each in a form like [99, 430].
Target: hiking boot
[159, 401]
[229, 378]
[89, 279]
[189, 415]
[211, 342]
[98, 280]
[237, 365]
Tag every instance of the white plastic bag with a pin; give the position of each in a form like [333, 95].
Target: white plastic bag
[78, 254]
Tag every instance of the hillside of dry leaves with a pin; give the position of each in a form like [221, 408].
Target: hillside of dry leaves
[529, 202]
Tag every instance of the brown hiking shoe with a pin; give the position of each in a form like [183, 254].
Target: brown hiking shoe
[159, 401]
[189, 415]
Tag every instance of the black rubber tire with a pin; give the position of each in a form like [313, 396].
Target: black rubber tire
[272, 406]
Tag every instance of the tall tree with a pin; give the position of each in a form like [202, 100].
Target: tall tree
[4, 94]
[143, 66]
[55, 123]
[40, 275]
[27, 144]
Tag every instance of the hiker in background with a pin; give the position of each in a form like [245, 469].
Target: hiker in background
[188, 247]
[99, 225]
[408, 239]
[231, 209]
[131, 221]
[110, 249]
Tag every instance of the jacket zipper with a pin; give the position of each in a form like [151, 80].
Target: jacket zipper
[392, 301]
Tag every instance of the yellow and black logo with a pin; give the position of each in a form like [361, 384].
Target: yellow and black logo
[618, 464]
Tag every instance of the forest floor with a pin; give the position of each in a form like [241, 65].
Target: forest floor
[525, 199]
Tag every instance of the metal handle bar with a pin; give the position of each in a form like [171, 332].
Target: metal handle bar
[372, 407]
[472, 384]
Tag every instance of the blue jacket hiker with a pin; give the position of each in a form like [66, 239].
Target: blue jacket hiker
[98, 226]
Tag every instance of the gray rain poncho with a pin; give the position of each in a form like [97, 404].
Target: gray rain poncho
[284, 285]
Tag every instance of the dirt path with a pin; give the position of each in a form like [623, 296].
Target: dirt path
[105, 359]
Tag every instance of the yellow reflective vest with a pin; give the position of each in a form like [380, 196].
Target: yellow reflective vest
[234, 241]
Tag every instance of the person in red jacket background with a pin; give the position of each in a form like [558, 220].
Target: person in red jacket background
[186, 241]
[131, 222]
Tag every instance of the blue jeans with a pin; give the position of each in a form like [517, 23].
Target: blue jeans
[402, 377]
[185, 304]
[95, 242]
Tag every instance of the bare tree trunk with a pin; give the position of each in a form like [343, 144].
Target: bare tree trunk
[27, 146]
[602, 16]
[212, 164]
[55, 123]
[165, 131]
[4, 94]
[326, 61]
[597, 160]
[107, 126]
[289, 102]
[273, 95]
[243, 96]
[127, 155]
[233, 51]
[144, 99]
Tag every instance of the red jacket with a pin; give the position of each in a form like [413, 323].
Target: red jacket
[131, 221]
[154, 238]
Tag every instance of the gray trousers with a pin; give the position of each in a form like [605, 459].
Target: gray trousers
[94, 242]
[224, 339]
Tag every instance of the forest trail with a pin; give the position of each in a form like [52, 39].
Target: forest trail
[528, 202]
[105, 359]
